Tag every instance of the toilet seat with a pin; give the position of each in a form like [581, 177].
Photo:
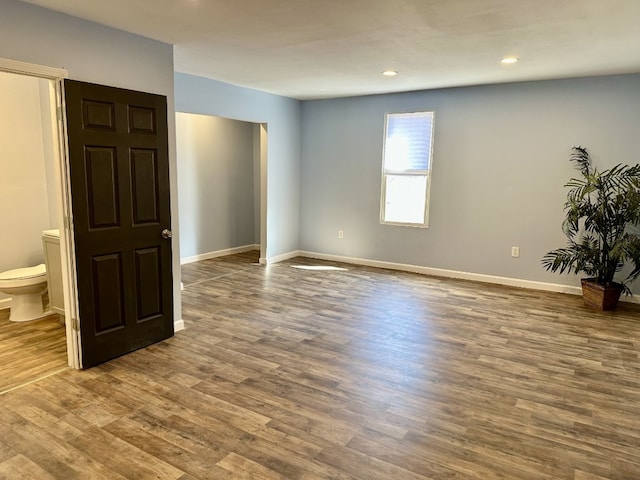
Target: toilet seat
[20, 277]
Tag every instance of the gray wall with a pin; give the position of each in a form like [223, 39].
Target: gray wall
[500, 154]
[500, 163]
[99, 54]
[283, 118]
[215, 183]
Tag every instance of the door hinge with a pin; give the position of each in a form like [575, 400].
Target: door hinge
[59, 113]
[75, 325]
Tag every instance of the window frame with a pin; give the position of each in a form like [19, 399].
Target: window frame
[409, 173]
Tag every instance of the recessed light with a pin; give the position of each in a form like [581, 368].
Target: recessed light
[509, 60]
[390, 73]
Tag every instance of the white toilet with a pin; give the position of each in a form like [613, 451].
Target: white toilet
[26, 286]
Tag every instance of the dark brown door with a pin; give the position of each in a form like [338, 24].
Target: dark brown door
[119, 166]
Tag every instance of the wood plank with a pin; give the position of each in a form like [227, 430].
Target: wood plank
[30, 350]
[354, 374]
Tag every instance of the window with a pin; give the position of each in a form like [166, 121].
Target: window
[406, 168]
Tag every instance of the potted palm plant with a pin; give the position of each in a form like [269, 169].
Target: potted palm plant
[602, 209]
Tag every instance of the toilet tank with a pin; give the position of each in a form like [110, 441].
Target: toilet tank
[51, 247]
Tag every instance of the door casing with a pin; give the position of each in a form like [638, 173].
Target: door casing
[63, 194]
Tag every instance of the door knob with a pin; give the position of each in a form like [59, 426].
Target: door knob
[166, 233]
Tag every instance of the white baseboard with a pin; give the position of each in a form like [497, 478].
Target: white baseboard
[279, 258]
[218, 253]
[439, 272]
[5, 303]
[178, 325]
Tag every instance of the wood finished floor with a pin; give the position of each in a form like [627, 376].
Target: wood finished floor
[30, 350]
[284, 373]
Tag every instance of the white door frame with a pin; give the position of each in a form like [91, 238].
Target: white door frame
[263, 136]
[56, 77]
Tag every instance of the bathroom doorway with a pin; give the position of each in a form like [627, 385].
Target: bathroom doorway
[32, 202]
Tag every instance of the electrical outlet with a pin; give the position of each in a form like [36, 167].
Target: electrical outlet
[515, 252]
[340, 234]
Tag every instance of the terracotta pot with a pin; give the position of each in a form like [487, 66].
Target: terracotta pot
[600, 297]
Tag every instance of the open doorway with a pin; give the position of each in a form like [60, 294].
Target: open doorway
[222, 186]
[32, 211]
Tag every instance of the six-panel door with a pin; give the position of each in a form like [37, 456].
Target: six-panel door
[119, 168]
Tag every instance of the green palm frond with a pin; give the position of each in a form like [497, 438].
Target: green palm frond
[582, 160]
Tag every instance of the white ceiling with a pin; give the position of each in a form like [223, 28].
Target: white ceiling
[331, 48]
